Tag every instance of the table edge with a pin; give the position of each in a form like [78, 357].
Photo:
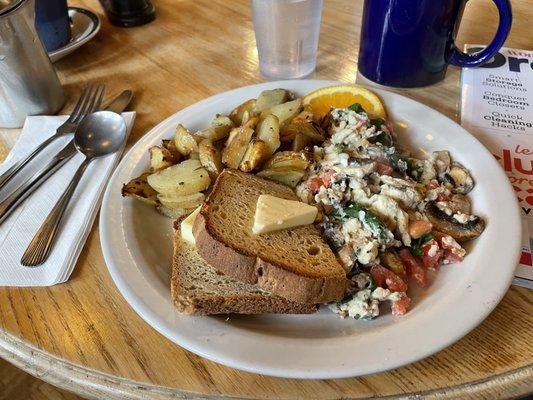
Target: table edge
[94, 384]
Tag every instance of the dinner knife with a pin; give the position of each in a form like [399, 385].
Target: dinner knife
[12, 201]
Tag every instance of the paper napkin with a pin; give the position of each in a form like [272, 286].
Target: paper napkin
[19, 228]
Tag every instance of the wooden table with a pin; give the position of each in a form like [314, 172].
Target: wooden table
[84, 337]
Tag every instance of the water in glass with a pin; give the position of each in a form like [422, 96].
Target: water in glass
[286, 32]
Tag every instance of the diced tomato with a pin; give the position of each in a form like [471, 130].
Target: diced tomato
[438, 238]
[386, 278]
[443, 196]
[419, 228]
[326, 179]
[449, 244]
[431, 261]
[383, 168]
[400, 307]
[452, 257]
[314, 184]
[433, 184]
[452, 253]
[414, 267]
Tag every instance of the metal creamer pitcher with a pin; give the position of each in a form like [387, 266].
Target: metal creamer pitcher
[28, 82]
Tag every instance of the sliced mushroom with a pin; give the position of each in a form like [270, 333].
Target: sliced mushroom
[333, 236]
[442, 162]
[428, 172]
[459, 202]
[445, 223]
[347, 257]
[459, 178]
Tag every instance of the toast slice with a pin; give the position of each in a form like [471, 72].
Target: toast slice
[199, 289]
[296, 263]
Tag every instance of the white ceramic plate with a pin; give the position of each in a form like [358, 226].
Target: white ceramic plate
[84, 26]
[136, 242]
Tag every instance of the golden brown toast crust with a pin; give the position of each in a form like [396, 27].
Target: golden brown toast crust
[209, 303]
[242, 264]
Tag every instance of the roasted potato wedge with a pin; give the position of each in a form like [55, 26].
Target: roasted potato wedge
[251, 122]
[236, 146]
[185, 178]
[138, 188]
[300, 142]
[304, 116]
[292, 129]
[160, 158]
[188, 201]
[245, 117]
[184, 141]
[210, 157]
[286, 111]
[172, 149]
[314, 132]
[297, 160]
[286, 176]
[219, 128]
[238, 113]
[270, 98]
[268, 131]
[222, 125]
[173, 213]
[256, 153]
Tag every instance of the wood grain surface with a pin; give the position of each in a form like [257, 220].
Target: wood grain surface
[83, 336]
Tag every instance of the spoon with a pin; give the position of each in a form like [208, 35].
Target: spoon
[99, 134]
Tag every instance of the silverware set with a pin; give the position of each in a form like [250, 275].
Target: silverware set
[95, 134]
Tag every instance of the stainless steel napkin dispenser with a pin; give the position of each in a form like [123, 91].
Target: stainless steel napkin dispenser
[28, 82]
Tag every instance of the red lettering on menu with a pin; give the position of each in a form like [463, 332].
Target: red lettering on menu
[510, 162]
[522, 170]
[525, 151]
[507, 164]
[525, 259]
[529, 198]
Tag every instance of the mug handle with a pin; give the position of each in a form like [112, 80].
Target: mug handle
[504, 26]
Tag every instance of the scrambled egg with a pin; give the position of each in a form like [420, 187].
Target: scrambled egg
[368, 188]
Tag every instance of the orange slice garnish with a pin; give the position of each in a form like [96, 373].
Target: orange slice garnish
[320, 101]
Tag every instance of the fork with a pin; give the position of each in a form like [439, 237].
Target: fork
[84, 106]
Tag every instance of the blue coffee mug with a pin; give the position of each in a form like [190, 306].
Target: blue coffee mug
[409, 43]
[53, 24]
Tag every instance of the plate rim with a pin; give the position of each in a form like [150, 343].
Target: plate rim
[143, 310]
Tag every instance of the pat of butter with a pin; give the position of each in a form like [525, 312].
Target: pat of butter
[186, 227]
[274, 214]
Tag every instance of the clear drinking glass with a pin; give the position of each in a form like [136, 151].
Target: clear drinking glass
[286, 33]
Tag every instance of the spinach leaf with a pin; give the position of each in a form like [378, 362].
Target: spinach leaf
[382, 138]
[368, 218]
[358, 108]
[426, 237]
[397, 162]
[416, 248]
[372, 286]
[377, 122]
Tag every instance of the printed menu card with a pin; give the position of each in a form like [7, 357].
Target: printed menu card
[497, 108]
